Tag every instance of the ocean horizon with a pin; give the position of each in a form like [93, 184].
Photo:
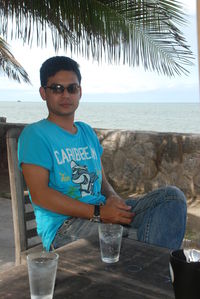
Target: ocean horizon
[159, 117]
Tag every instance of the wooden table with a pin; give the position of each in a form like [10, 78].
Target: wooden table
[141, 273]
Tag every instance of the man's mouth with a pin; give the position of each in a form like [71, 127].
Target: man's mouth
[65, 105]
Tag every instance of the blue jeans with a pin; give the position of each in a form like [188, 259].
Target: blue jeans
[160, 219]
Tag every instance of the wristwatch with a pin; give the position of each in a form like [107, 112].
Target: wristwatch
[96, 217]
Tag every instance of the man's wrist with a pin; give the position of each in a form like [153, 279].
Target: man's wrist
[96, 215]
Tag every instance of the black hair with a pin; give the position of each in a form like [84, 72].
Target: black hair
[55, 64]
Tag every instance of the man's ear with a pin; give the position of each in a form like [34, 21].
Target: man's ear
[42, 93]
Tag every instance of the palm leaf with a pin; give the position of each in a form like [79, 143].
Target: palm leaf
[133, 32]
[10, 66]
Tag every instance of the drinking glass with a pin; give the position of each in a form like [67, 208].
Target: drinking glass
[42, 267]
[110, 236]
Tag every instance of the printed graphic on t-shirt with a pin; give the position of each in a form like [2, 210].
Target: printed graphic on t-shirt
[76, 154]
[83, 180]
[82, 177]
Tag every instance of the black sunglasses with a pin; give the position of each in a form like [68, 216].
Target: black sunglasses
[59, 88]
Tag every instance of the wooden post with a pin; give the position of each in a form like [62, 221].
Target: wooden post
[198, 36]
[2, 119]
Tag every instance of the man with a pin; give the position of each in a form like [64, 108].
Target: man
[61, 163]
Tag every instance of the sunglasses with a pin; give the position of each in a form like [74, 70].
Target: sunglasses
[59, 88]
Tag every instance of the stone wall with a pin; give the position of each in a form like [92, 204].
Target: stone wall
[136, 162]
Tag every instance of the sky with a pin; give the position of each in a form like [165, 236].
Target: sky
[110, 83]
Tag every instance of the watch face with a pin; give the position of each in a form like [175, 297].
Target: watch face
[96, 219]
[97, 210]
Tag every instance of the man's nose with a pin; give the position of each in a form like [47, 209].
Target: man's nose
[65, 92]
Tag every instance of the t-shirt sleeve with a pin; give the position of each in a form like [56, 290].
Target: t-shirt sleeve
[94, 137]
[33, 149]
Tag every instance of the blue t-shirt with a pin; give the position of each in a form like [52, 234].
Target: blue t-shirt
[74, 165]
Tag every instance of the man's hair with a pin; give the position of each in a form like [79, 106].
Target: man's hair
[55, 64]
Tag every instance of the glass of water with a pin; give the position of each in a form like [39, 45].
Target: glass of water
[42, 268]
[110, 236]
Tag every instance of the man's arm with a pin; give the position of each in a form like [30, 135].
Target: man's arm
[115, 209]
[37, 179]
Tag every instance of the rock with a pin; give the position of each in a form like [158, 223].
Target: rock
[138, 162]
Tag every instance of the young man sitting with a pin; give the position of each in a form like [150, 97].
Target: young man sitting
[61, 163]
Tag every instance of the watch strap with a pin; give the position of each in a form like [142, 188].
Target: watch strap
[96, 210]
[96, 216]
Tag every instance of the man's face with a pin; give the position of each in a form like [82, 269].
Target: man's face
[62, 103]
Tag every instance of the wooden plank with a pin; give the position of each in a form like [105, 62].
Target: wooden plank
[16, 187]
[31, 233]
[142, 271]
[140, 274]
[23, 215]
[29, 216]
[26, 198]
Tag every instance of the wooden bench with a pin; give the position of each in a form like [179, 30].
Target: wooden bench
[25, 233]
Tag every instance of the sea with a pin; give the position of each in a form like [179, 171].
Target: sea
[158, 117]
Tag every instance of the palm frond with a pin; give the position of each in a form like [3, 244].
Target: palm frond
[135, 32]
[9, 65]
